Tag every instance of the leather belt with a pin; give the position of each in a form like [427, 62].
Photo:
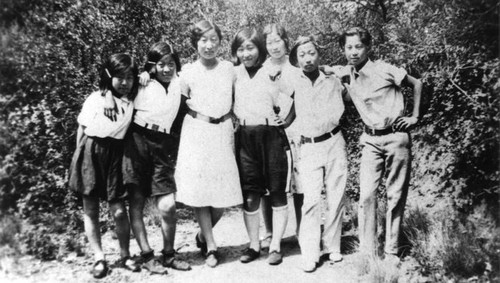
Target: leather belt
[321, 138]
[209, 119]
[152, 127]
[382, 132]
[255, 122]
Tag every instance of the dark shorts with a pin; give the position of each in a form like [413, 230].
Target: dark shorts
[149, 161]
[95, 169]
[261, 158]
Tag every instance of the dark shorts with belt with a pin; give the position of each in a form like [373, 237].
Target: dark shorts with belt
[149, 161]
[261, 158]
[95, 169]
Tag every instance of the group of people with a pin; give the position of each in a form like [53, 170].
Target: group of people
[251, 132]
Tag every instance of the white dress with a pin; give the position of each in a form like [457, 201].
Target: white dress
[206, 173]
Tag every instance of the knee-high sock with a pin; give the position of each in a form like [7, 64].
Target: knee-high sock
[280, 219]
[252, 222]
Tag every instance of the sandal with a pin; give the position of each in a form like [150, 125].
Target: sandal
[152, 265]
[100, 272]
[168, 260]
[128, 263]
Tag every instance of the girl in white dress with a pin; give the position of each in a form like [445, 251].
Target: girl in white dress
[206, 174]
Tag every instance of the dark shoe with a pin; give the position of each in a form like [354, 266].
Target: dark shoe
[100, 269]
[212, 258]
[200, 244]
[275, 258]
[154, 267]
[249, 255]
[129, 264]
[169, 260]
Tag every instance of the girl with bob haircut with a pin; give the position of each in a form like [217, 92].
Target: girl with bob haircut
[252, 35]
[206, 174]
[280, 69]
[261, 142]
[200, 28]
[150, 155]
[95, 171]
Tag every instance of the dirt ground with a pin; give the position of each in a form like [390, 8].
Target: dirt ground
[232, 239]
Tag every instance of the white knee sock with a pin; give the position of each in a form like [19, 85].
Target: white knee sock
[280, 219]
[252, 222]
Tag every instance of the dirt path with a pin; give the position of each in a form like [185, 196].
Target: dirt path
[231, 236]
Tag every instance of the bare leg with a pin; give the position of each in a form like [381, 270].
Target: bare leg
[166, 206]
[215, 215]
[91, 223]
[119, 213]
[137, 202]
[204, 218]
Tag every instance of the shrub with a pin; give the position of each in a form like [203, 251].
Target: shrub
[10, 225]
[452, 244]
[52, 49]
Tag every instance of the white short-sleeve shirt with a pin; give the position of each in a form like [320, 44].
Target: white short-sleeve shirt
[376, 93]
[255, 98]
[318, 107]
[97, 125]
[155, 105]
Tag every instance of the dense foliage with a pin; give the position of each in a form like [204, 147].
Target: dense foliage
[52, 49]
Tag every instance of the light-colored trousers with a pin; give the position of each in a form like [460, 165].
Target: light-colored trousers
[388, 155]
[321, 166]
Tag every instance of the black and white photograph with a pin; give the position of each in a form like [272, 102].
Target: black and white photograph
[250, 141]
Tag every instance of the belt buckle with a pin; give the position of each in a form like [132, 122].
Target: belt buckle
[372, 131]
[155, 127]
[302, 139]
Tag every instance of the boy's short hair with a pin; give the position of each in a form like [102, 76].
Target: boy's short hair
[301, 41]
[157, 51]
[115, 65]
[253, 36]
[363, 34]
[198, 29]
[279, 30]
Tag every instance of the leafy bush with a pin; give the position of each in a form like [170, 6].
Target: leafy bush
[51, 51]
[40, 244]
[447, 243]
[10, 225]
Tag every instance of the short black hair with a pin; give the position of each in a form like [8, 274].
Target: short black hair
[253, 36]
[279, 30]
[157, 51]
[116, 65]
[301, 41]
[363, 34]
[198, 29]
